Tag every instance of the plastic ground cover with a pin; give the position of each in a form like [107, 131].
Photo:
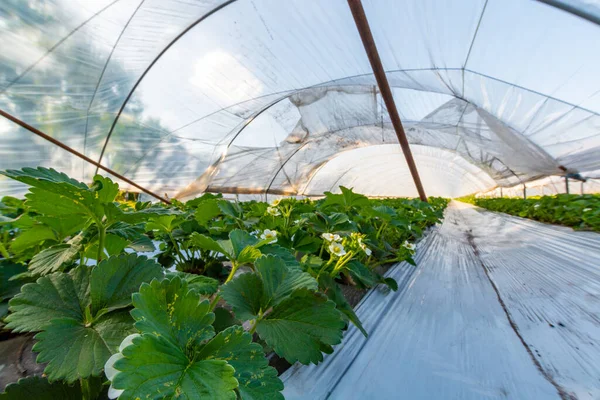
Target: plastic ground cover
[262, 96]
[498, 307]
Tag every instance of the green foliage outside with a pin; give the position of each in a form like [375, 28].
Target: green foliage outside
[230, 282]
[576, 211]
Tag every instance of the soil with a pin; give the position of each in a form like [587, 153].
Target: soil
[17, 360]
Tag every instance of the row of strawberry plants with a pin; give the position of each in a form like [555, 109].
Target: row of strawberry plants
[577, 211]
[230, 282]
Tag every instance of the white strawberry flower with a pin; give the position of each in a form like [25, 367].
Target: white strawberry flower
[269, 235]
[109, 366]
[364, 247]
[330, 237]
[337, 249]
[275, 202]
[408, 245]
[274, 211]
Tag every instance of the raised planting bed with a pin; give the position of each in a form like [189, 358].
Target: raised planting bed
[230, 284]
[577, 211]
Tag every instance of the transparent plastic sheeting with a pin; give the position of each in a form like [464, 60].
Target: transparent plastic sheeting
[546, 187]
[445, 335]
[257, 96]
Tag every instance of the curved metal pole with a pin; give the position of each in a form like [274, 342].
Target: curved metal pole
[282, 166]
[384, 88]
[149, 67]
[78, 154]
[562, 5]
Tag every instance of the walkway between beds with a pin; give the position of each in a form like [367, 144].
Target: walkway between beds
[498, 307]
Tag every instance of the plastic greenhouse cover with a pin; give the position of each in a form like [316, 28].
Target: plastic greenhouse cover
[266, 96]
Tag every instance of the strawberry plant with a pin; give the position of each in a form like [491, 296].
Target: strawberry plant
[576, 211]
[230, 281]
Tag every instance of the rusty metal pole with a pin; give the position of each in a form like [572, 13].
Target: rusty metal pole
[78, 154]
[366, 36]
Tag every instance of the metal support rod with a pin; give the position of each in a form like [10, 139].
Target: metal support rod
[524, 192]
[78, 154]
[501, 192]
[366, 36]
[567, 184]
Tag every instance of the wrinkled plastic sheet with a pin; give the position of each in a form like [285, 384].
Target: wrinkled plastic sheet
[256, 96]
[445, 334]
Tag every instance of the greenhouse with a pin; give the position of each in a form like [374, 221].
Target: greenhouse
[301, 199]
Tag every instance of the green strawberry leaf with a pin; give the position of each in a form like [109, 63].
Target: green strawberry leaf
[116, 278]
[81, 315]
[74, 350]
[251, 294]
[230, 209]
[31, 237]
[224, 319]
[106, 190]
[35, 387]
[256, 379]
[300, 325]
[169, 309]
[291, 317]
[58, 295]
[240, 240]
[65, 201]
[65, 225]
[362, 274]
[281, 252]
[279, 280]
[245, 295]
[153, 367]
[42, 177]
[9, 288]
[115, 214]
[55, 194]
[248, 255]
[126, 231]
[207, 243]
[163, 223]
[143, 244]
[202, 284]
[178, 354]
[334, 292]
[53, 258]
[206, 211]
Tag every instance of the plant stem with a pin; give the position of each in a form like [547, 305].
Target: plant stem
[380, 230]
[3, 251]
[214, 302]
[234, 267]
[86, 390]
[253, 329]
[341, 262]
[101, 237]
[177, 249]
